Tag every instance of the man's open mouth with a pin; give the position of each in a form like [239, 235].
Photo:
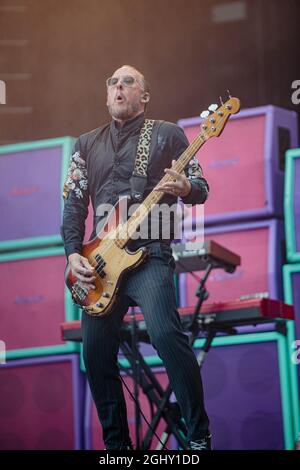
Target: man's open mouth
[119, 98]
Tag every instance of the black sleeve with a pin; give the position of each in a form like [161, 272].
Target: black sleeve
[76, 201]
[199, 186]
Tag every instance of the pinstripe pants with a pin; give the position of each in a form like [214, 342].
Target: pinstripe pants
[151, 287]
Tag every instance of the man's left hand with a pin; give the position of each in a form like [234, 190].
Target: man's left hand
[179, 186]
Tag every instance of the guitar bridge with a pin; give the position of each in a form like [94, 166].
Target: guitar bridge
[79, 293]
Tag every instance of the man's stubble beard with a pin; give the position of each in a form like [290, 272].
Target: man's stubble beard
[126, 113]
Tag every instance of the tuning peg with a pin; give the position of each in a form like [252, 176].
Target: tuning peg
[213, 107]
[229, 95]
[221, 101]
[204, 114]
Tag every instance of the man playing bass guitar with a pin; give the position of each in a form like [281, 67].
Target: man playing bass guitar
[100, 170]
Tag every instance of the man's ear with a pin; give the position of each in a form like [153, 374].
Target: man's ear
[145, 97]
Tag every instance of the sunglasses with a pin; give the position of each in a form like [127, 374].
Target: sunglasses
[127, 80]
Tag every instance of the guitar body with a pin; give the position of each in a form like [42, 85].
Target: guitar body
[111, 263]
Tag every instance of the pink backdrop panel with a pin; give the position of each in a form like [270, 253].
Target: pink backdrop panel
[30, 193]
[244, 165]
[258, 244]
[233, 165]
[34, 302]
[89, 224]
[40, 404]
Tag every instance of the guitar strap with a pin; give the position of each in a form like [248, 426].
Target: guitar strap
[138, 179]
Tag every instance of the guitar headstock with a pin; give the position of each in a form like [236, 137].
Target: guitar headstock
[216, 117]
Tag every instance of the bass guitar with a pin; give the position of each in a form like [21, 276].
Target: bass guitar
[107, 252]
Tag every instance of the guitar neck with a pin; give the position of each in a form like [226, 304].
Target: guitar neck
[127, 230]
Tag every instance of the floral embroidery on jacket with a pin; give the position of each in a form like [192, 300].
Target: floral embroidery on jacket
[76, 177]
[194, 169]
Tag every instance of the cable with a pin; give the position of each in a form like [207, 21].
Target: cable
[140, 410]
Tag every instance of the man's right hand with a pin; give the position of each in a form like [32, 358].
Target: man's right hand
[82, 270]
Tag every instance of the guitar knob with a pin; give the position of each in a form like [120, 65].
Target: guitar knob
[204, 114]
[106, 295]
[213, 107]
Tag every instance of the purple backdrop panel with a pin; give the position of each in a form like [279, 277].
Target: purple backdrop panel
[245, 161]
[295, 280]
[93, 430]
[34, 303]
[259, 245]
[297, 203]
[242, 393]
[41, 404]
[30, 193]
